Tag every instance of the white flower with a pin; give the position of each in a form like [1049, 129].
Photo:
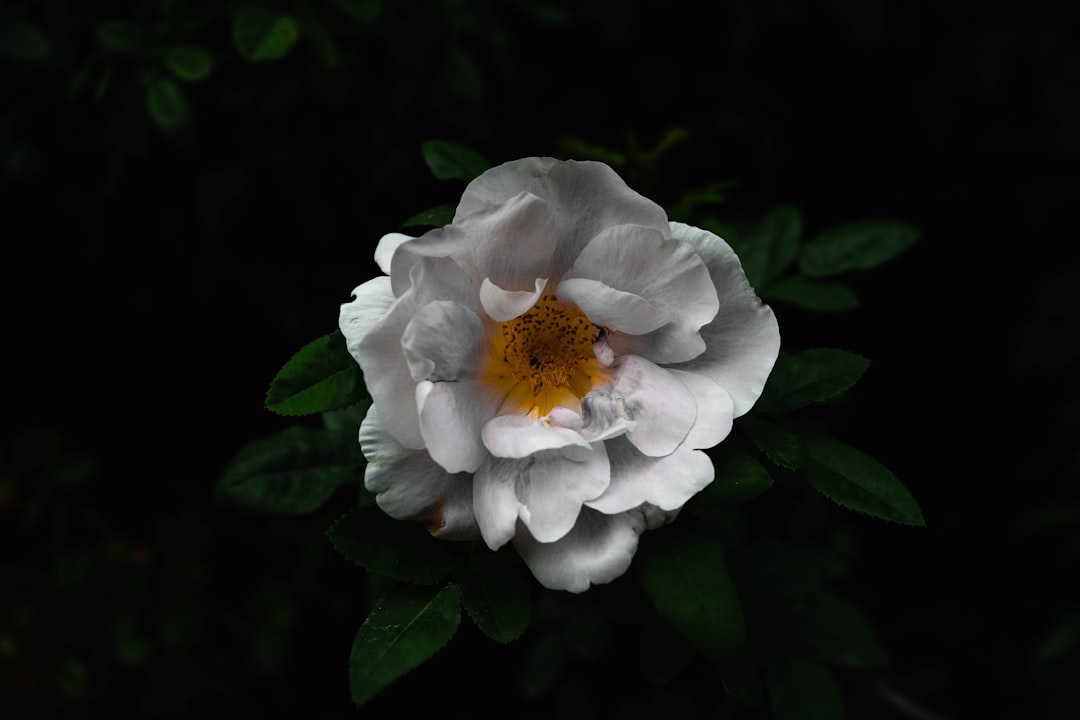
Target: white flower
[547, 368]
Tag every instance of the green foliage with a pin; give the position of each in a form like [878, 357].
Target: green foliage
[321, 376]
[23, 41]
[433, 217]
[811, 294]
[811, 376]
[770, 246]
[190, 62]
[834, 630]
[451, 161]
[856, 246]
[739, 478]
[292, 472]
[168, 107]
[782, 446]
[399, 550]
[857, 481]
[263, 34]
[363, 11]
[495, 594]
[122, 37]
[682, 571]
[406, 627]
[803, 690]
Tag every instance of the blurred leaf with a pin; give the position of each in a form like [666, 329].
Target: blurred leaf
[810, 376]
[449, 160]
[364, 11]
[321, 376]
[318, 38]
[742, 681]
[802, 690]
[541, 667]
[189, 62]
[399, 549]
[782, 446]
[122, 36]
[857, 481]
[167, 106]
[682, 571]
[836, 631]
[771, 245]
[664, 652]
[263, 34]
[23, 41]
[739, 478]
[293, 472]
[856, 246]
[405, 628]
[434, 217]
[1060, 642]
[543, 13]
[711, 194]
[576, 148]
[812, 295]
[496, 596]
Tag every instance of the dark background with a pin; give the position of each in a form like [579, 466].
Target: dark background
[154, 282]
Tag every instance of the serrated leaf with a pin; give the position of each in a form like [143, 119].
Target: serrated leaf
[683, 573]
[23, 41]
[263, 34]
[190, 62]
[802, 690]
[856, 246]
[853, 479]
[836, 631]
[293, 472]
[739, 478]
[404, 629]
[434, 217]
[771, 245]
[449, 160]
[810, 376]
[782, 446]
[122, 36]
[812, 295]
[321, 376]
[496, 596]
[399, 549]
[167, 106]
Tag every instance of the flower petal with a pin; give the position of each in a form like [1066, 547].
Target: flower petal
[516, 436]
[371, 301]
[452, 415]
[408, 485]
[671, 343]
[743, 340]
[620, 311]
[440, 342]
[666, 482]
[583, 197]
[502, 305]
[644, 262]
[714, 410]
[661, 406]
[384, 251]
[597, 550]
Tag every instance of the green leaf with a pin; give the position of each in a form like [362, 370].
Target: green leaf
[739, 478]
[364, 11]
[836, 631]
[771, 245]
[496, 596]
[319, 38]
[682, 571]
[405, 628]
[122, 36]
[167, 106]
[263, 34]
[322, 376]
[23, 41]
[434, 217]
[812, 295]
[451, 161]
[857, 481]
[856, 246]
[802, 690]
[782, 446]
[811, 376]
[290, 473]
[399, 549]
[190, 62]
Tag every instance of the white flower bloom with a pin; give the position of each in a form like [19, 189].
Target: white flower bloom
[547, 369]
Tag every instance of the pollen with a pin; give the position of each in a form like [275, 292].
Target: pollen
[547, 356]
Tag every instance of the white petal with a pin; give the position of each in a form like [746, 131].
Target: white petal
[452, 415]
[672, 343]
[743, 340]
[512, 243]
[605, 415]
[661, 406]
[644, 262]
[554, 488]
[714, 410]
[502, 305]
[598, 550]
[371, 301]
[495, 500]
[615, 309]
[408, 485]
[384, 251]
[515, 436]
[441, 342]
[666, 482]
[447, 253]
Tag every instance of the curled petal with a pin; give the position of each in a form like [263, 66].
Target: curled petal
[371, 301]
[615, 309]
[715, 413]
[743, 339]
[384, 251]
[672, 343]
[665, 482]
[597, 550]
[452, 416]
[516, 436]
[502, 305]
[661, 406]
[408, 485]
[441, 340]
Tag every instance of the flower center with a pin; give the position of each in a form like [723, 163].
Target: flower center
[547, 353]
